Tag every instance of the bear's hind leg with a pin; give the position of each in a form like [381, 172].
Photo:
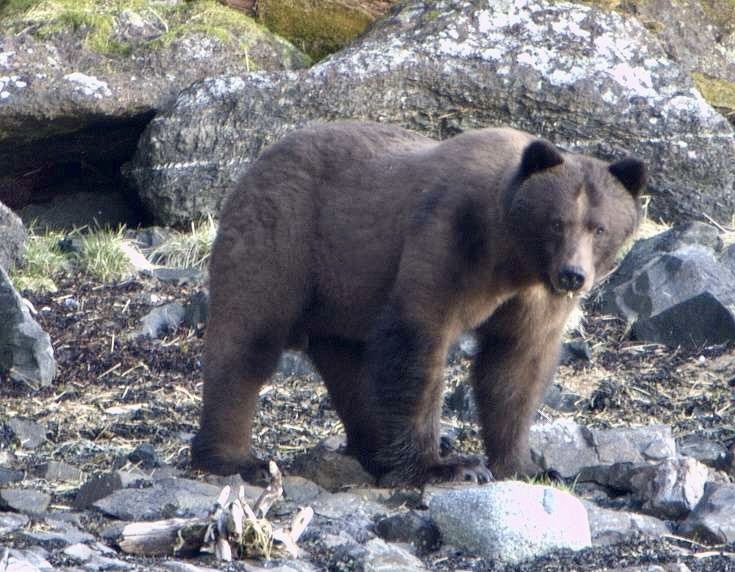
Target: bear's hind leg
[236, 365]
[340, 363]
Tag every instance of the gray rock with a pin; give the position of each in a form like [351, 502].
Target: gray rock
[25, 349]
[575, 351]
[645, 250]
[670, 489]
[11, 521]
[294, 363]
[348, 505]
[675, 289]
[300, 490]
[167, 498]
[78, 552]
[13, 237]
[568, 448]
[178, 276]
[145, 456]
[704, 319]
[510, 521]
[690, 35]
[10, 475]
[411, 528]
[61, 471]
[613, 526]
[29, 560]
[102, 486]
[727, 257]
[56, 81]
[56, 534]
[704, 450]
[713, 519]
[27, 501]
[589, 80]
[28, 433]
[461, 401]
[162, 320]
[330, 468]
[560, 399]
[384, 557]
[179, 566]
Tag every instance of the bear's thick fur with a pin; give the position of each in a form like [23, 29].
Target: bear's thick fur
[373, 247]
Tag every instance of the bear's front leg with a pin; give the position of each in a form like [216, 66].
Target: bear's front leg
[405, 359]
[519, 349]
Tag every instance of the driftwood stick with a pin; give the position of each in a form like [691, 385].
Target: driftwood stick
[175, 535]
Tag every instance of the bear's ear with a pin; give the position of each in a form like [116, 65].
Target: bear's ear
[538, 156]
[631, 172]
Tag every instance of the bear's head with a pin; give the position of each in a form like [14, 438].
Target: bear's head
[572, 214]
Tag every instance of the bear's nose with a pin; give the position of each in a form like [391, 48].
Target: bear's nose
[571, 278]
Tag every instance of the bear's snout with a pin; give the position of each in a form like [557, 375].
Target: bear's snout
[571, 278]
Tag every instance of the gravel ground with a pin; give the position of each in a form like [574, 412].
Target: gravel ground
[114, 392]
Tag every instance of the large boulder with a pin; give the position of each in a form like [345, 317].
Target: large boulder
[676, 288]
[75, 98]
[26, 355]
[591, 81]
[13, 237]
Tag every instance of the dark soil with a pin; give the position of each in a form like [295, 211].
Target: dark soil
[114, 392]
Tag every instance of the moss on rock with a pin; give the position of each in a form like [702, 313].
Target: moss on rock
[318, 28]
[718, 92]
[101, 22]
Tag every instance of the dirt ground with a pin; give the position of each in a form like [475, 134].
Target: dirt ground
[114, 392]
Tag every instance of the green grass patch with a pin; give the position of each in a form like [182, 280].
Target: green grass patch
[43, 263]
[187, 249]
[102, 255]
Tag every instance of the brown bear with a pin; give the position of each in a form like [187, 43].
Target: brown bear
[374, 247]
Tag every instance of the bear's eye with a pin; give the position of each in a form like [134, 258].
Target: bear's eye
[557, 226]
[599, 230]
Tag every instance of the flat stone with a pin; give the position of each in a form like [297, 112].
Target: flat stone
[27, 501]
[384, 557]
[346, 505]
[713, 519]
[102, 486]
[78, 552]
[167, 498]
[330, 468]
[610, 526]
[29, 433]
[411, 528]
[145, 456]
[57, 534]
[707, 451]
[11, 521]
[300, 490]
[28, 560]
[568, 448]
[162, 320]
[61, 471]
[10, 476]
[510, 521]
